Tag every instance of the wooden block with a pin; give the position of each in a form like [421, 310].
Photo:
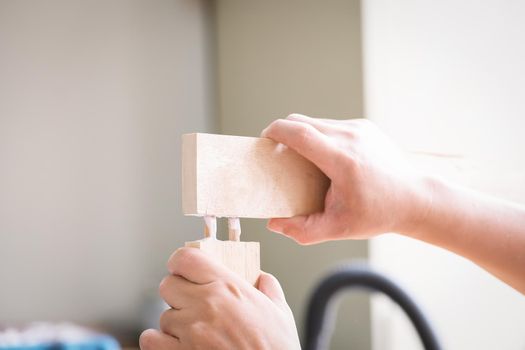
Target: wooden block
[241, 257]
[236, 176]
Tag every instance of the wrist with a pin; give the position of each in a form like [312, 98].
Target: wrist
[422, 205]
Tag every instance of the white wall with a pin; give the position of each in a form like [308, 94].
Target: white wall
[448, 77]
[277, 57]
[93, 98]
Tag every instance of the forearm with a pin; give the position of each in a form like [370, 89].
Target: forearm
[488, 231]
[373, 190]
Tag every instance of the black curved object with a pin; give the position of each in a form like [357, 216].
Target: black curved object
[360, 276]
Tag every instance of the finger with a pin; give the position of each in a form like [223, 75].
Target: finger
[338, 123]
[269, 286]
[305, 118]
[177, 291]
[305, 229]
[326, 126]
[341, 132]
[196, 266]
[153, 339]
[307, 141]
[172, 321]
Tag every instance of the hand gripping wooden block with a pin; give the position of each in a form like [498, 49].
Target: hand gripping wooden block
[236, 176]
[242, 258]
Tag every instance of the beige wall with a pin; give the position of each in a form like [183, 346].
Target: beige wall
[93, 98]
[274, 58]
[447, 77]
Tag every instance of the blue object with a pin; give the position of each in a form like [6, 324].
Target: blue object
[97, 342]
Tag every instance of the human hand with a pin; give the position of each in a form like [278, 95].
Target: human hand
[373, 188]
[213, 308]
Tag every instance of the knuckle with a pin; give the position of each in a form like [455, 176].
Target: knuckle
[172, 260]
[275, 125]
[223, 286]
[295, 116]
[356, 126]
[180, 258]
[164, 286]
[146, 340]
[233, 289]
[214, 304]
[348, 158]
[164, 321]
[211, 308]
[197, 330]
[348, 161]
[278, 122]
[349, 133]
[305, 134]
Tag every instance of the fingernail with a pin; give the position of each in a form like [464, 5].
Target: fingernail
[263, 133]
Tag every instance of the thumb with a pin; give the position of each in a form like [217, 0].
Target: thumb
[304, 229]
[269, 286]
[291, 227]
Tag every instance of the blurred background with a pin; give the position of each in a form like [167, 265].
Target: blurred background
[94, 97]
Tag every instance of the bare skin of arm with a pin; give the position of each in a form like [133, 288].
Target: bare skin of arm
[375, 190]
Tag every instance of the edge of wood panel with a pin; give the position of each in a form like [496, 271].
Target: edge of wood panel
[189, 174]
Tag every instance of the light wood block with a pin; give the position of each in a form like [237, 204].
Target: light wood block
[241, 257]
[236, 176]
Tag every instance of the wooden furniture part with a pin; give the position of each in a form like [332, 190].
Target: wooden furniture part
[241, 257]
[236, 176]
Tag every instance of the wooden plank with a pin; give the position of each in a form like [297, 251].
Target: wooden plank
[236, 176]
[241, 257]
